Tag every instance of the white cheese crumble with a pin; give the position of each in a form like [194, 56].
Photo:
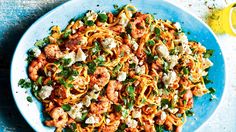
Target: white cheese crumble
[165, 107]
[70, 56]
[45, 92]
[163, 51]
[83, 41]
[131, 123]
[173, 60]
[184, 48]
[107, 120]
[177, 26]
[91, 120]
[121, 76]
[169, 78]
[136, 114]
[75, 111]
[36, 51]
[108, 43]
[206, 63]
[134, 60]
[123, 20]
[80, 55]
[173, 111]
[134, 44]
[91, 15]
[87, 100]
[163, 115]
[140, 69]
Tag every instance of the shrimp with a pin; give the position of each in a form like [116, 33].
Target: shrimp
[59, 118]
[112, 127]
[102, 106]
[101, 77]
[160, 118]
[138, 26]
[53, 51]
[124, 49]
[188, 96]
[58, 94]
[118, 29]
[76, 43]
[131, 130]
[149, 128]
[110, 18]
[112, 88]
[35, 66]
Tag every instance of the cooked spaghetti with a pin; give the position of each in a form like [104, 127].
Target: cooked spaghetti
[118, 72]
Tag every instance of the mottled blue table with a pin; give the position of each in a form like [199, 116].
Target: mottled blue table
[15, 17]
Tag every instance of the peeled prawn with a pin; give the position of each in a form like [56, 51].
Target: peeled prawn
[112, 88]
[35, 65]
[53, 51]
[101, 77]
[101, 106]
[59, 118]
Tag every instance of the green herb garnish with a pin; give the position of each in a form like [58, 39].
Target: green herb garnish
[157, 31]
[29, 99]
[189, 113]
[102, 17]
[66, 107]
[89, 23]
[185, 70]
[208, 53]
[212, 90]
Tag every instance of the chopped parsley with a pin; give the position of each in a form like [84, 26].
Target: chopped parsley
[185, 70]
[165, 102]
[96, 48]
[189, 113]
[23, 83]
[159, 128]
[150, 42]
[115, 6]
[29, 99]
[41, 43]
[117, 108]
[208, 53]
[102, 17]
[66, 107]
[206, 80]
[157, 31]
[89, 23]
[212, 90]
[91, 67]
[67, 33]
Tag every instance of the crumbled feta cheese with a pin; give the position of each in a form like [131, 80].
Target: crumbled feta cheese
[206, 63]
[70, 56]
[173, 111]
[183, 38]
[173, 60]
[83, 40]
[91, 120]
[169, 78]
[109, 43]
[131, 123]
[96, 88]
[177, 26]
[134, 60]
[124, 20]
[134, 44]
[94, 94]
[165, 107]
[45, 92]
[80, 55]
[87, 100]
[162, 27]
[75, 111]
[163, 51]
[107, 120]
[91, 15]
[136, 114]
[121, 76]
[163, 115]
[140, 69]
[36, 51]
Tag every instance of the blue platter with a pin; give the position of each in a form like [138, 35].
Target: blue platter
[199, 31]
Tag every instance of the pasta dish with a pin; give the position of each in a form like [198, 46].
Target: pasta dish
[121, 71]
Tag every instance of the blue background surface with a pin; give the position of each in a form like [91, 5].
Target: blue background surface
[15, 17]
